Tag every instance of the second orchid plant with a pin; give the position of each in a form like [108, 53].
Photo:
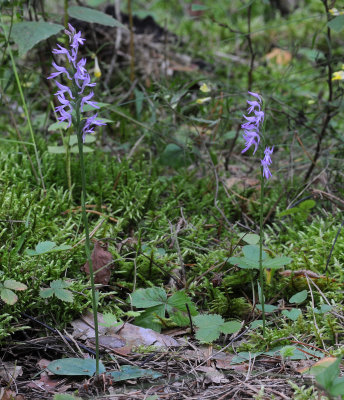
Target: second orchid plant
[72, 98]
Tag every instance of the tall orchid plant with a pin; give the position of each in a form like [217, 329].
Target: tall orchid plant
[72, 99]
[252, 136]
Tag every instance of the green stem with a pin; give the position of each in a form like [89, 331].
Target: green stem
[87, 241]
[261, 234]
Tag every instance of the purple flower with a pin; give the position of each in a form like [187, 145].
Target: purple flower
[252, 132]
[266, 161]
[80, 81]
[91, 121]
[86, 99]
[251, 127]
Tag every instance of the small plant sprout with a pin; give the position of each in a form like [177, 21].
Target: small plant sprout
[252, 137]
[72, 99]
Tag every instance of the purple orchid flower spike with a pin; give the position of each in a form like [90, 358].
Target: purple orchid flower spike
[252, 131]
[80, 82]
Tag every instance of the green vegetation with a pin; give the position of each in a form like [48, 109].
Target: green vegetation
[168, 190]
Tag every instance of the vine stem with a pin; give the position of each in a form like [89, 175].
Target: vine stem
[87, 235]
[261, 237]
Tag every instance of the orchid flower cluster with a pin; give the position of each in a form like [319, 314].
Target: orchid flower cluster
[252, 131]
[80, 81]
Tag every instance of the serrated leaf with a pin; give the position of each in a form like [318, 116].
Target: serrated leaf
[299, 297]
[109, 320]
[75, 366]
[179, 301]
[8, 296]
[94, 16]
[28, 34]
[292, 314]
[208, 327]
[59, 284]
[337, 23]
[148, 319]
[46, 293]
[64, 295]
[12, 284]
[144, 298]
[230, 327]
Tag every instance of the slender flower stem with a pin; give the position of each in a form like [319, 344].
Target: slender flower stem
[261, 234]
[87, 241]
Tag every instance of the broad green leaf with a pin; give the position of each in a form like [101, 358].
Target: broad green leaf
[148, 319]
[337, 387]
[287, 351]
[174, 156]
[179, 301]
[12, 284]
[229, 135]
[250, 238]
[267, 307]
[244, 263]
[299, 297]
[57, 125]
[128, 372]
[94, 16]
[88, 108]
[73, 139]
[277, 262]
[208, 320]
[230, 327]
[8, 296]
[28, 34]
[44, 247]
[252, 252]
[337, 23]
[257, 323]
[292, 314]
[56, 149]
[144, 298]
[326, 378]
[85, 149]
[324, 308]
[75, 366]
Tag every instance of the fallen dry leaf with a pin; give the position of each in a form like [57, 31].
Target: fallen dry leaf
[131, 334]
[7, 394]
[9, 371]
[302, 272]
[212, 375]
[317, 366]
[101, 262]
[279, 56]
